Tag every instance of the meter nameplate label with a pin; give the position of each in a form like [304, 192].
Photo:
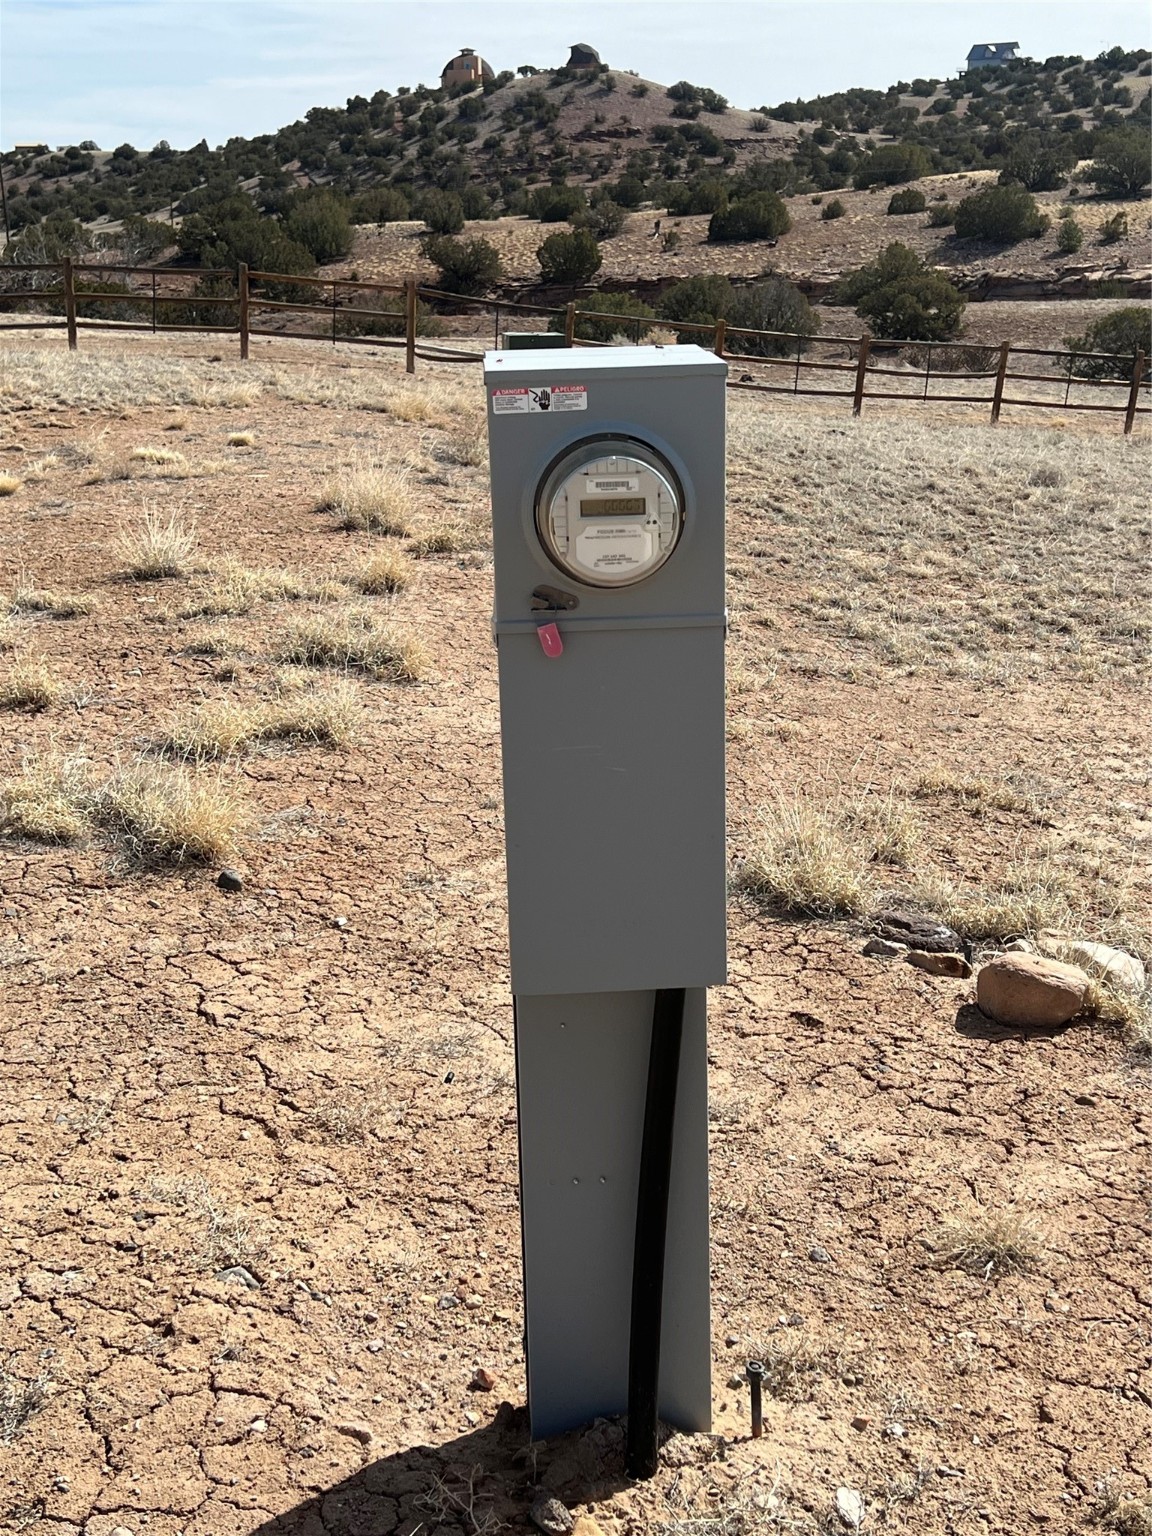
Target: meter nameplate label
[550, 397]
[611, 550]
[611, 485]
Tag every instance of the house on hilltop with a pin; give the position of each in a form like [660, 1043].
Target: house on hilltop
[467, 68]
[991, 55]
[583, 57]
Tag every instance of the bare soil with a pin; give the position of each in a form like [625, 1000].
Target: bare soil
[258, 1190]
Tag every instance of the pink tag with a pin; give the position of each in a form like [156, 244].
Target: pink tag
[550, 642]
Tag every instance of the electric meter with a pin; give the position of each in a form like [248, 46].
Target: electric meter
[610, 512]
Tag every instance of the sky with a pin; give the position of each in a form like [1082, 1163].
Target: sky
[144, 70]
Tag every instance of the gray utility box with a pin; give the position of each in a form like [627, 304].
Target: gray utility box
[608, 526]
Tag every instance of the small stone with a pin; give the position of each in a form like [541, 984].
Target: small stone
[339, 922]
[918, 930]
[120, 1530]
[1114, 965]
[482, 1380]
[735, 1381]
[894, 1431]
[1085, 1100]
[819, 1255]
[884, 949]
[860, 1422]
[236, 1274]
[257, 1426]
[473, 1302]
[730, 1341]
[375, 1346]
[471, 1417]
[446, 1303]
[551, 1517]
[938, 963]
[850, 1508]
[1030, 991]
[1045, 1414]
[353, 1429]
[1020, 947]
[371, 1317]
[230, 880]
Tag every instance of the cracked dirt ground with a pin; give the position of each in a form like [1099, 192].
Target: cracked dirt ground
[258, 1214]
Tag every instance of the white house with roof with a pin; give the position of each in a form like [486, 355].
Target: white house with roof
[991, 55]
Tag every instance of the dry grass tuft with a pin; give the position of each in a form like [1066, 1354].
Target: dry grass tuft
[43, 803]
[803, 862]
[1130, 1014]
[990, 1244]
[20, 1401]
[223, 1238]
[327, 717]
[212, 643]
[165, 814]
[10, 484]
[1121, 1513]
[441, 539]
[793, 1363]
[888, 828]
[57, 605]
[235, 588]
[1032, 894]
[158, 545]
[241, 439]
[371, 498]
[382, 574]
[150, 455]
[29, 685]
[354, 639]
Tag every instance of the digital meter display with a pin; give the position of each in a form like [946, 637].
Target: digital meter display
[613, 506]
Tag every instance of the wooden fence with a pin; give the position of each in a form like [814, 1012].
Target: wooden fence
[266, 304]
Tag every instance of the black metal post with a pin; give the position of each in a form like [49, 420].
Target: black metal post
[755, 1373]
[652, 1231]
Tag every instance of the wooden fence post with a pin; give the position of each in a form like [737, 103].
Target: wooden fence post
[998, 389]
[570, 323]
[410, 325]
[70, 302]
[1134, 392]
[718, 342]
[243, 284]
[864, 348]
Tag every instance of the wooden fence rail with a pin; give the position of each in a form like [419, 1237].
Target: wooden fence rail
[261, 296]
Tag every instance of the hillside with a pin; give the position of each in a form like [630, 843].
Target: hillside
[602, 137]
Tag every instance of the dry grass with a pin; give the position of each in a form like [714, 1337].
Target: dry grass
[235, 589]
[151, 455]
[793, 1363]
[1130, 1015]
[57, 605]
[371, 498]
[325, 717]
[354, 639]
[1123, 1514]
[383, 574]
[20, 1400]
[979, 794]
[990, 1244]
[10, 484]
[802, 861]
[158, 544]
[447, 538]
[29, 685]
[167, 814]
[44, 803]
[241, 439]
[222, 1238]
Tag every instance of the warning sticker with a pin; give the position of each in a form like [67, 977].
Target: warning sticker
[549, 397]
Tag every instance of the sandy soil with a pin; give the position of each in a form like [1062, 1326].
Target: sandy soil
[312, 1080]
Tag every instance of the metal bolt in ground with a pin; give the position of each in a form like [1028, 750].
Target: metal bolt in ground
[756, 1373]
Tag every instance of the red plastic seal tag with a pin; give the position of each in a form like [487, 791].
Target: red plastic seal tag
[550, 642]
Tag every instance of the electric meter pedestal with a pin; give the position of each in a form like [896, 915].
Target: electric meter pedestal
[608, 533]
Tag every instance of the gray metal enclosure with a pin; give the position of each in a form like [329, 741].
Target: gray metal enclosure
[613, 760]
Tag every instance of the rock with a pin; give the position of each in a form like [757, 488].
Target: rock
[482, 1380]
[884, 949]
[1114, 965]
[860, 1422]
[339, 922]
[918, 930]
[1020, 947]
[236, 1274]
[1030, 991]
[230, 880]
[735, 1381]
[850, 1508]
[937, 963]
[819, 1255]
[551, 1517]
[353, 1429]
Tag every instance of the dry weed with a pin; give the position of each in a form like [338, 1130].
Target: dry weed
[326, 717]
[9, 484]
[794, 1363]
[158, 544]
[241, 439]
[167, 814]
[1129, 1013]
[990, 1244]
[30, 685]
[887, 827]
[44, 802]
[371, 498]
[383, 574]
[1123, 1514]
[224, 1238]
[20, 1400]
[354, 639]
[151, 455]
[57, 605]
[447, 538]
[803, 861]
[235, 589]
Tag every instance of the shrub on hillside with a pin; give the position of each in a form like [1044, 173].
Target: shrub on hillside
[570, 258]
[899, 296]
[1039, 162]
[1114, 229]
[940, 215]
[602, 220]
[761, 216]
[554, 204]
[230, 231]
[1000, 214]
[1121, 163]
[771, 304]
[1121, 332]
[890, 164]
[321, 225]
[379, 205]
[698, 300]
[633, 322]
[465, 266]
[1069, 237]
[442, 212]
[832, 210]
[909, 200]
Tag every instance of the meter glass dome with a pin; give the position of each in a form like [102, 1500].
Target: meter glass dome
[610, 513]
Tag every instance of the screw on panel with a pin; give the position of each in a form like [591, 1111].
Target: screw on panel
[755, 1372]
